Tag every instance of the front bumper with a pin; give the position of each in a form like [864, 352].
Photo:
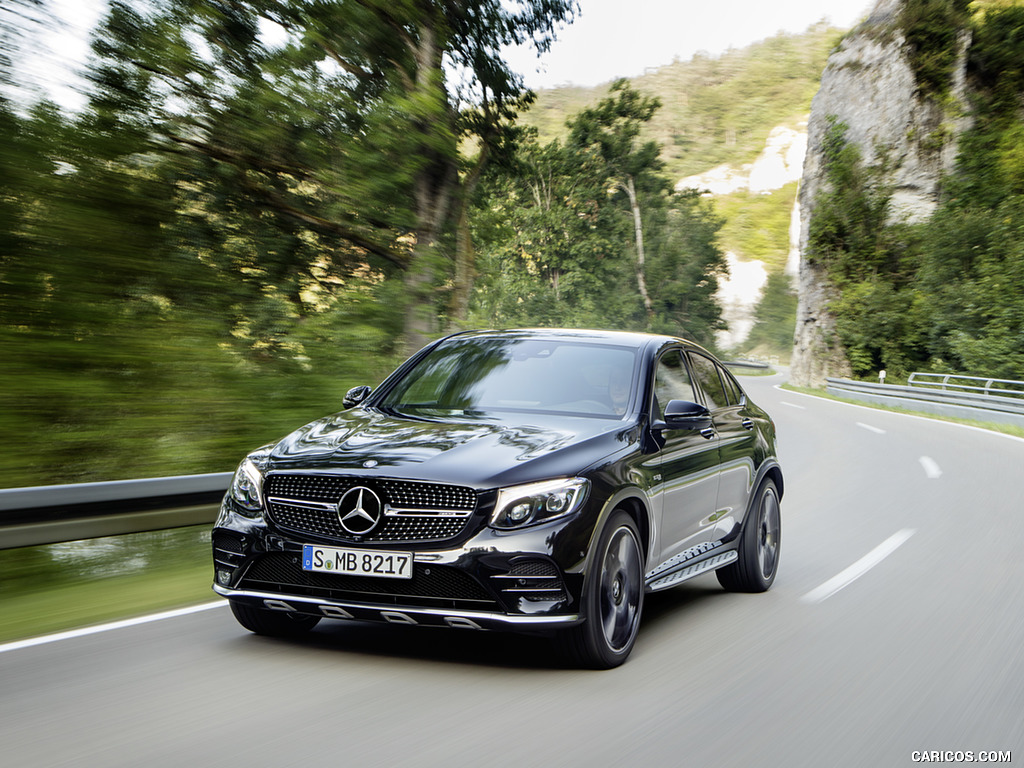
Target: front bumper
[490, 580]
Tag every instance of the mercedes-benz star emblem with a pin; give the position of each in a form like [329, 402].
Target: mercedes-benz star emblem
[359, 510]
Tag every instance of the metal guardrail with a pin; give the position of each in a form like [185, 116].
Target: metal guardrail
[53, 513]
[949, 382]
[965, 401]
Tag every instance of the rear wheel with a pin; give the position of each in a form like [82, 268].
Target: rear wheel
[612, 600]
[273, 623]
[754, 570]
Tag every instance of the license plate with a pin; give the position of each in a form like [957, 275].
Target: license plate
[358, 562]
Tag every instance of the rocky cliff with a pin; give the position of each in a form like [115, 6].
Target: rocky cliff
[869, 85]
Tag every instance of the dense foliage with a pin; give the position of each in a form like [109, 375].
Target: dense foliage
[266, 203]
[590, 234]
[931, 29]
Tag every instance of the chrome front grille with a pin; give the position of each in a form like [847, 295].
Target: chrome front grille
[307, 504]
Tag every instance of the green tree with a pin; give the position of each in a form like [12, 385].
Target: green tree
[612, 131]
[775, 317]
[550, 244]
[589, 233]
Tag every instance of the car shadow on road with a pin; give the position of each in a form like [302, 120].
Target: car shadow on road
[427, 644]
[504, 650]
[675, 603]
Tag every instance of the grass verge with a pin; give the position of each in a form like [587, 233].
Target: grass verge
[77, 584]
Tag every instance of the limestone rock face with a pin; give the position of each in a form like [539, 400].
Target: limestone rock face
[869, 85]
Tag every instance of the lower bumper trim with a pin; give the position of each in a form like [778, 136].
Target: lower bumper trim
[320, 606]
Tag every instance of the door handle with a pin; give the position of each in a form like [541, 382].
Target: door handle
[708, 432]
[747, 424]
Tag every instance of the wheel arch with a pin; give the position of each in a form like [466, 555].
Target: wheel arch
[773, 471]
[769, 470]
[633, 501]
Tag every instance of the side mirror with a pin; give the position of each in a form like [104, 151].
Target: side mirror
[355, 396]
[683, 414]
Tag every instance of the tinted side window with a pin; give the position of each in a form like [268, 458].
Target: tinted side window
[732, 388]
[671, 382]
[706, 373]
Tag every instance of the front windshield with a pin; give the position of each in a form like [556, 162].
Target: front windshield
[480, 376]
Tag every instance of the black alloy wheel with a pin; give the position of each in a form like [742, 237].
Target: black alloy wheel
[760, 543]
[613, 599]
[273, 623]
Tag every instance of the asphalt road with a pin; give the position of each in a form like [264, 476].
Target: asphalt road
[896, 625]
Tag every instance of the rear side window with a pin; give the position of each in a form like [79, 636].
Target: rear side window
[732, 388]
[706, 373]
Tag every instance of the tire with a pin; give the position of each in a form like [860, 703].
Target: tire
[272, 623]
[760, 543]
[612, 601]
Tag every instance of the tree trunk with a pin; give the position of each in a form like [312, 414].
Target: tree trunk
[434, 187]
[638, 232]
[465, 256]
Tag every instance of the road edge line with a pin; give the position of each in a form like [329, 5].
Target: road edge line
[96, 629]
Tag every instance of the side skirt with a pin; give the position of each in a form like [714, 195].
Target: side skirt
[677, 570]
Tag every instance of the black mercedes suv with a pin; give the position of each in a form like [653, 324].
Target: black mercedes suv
[516, 480]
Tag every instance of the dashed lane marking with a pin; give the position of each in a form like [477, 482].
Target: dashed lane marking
[931, 467]
[859, 568]
[869, 428]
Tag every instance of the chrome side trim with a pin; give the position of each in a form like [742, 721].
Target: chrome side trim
[373, 611]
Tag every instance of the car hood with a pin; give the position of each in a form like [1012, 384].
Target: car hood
[470, 452]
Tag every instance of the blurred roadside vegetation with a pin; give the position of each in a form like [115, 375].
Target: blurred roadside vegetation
[64, 586]
[258, 209]
[946, 294]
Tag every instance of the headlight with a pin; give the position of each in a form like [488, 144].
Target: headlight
[247, 487]
[523, 505]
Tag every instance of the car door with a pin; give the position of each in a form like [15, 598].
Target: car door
[725, 399]
[688, 488]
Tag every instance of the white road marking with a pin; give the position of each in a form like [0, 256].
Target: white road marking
[794, 405]
[73, 633]
[931, 468]
[869, 428]
[858, 569]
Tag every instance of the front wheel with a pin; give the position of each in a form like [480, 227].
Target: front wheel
[613, 599]
[758, 562]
